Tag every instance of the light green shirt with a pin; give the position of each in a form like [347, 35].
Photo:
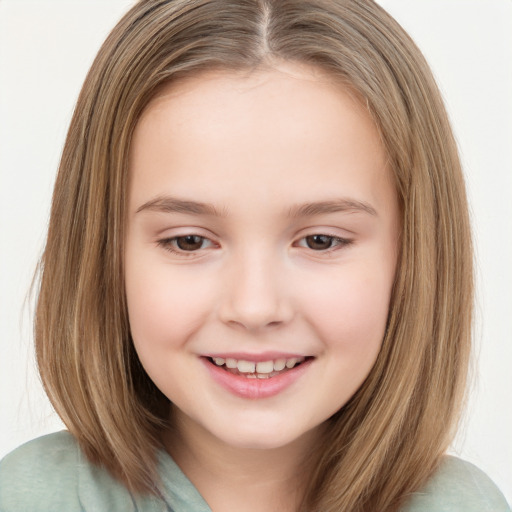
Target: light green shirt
[50, 474]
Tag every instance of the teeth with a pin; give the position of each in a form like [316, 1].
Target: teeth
[290, 363]
[279, 364]
[263, 369]
[246, 366]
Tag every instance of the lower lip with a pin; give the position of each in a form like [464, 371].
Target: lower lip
[255, 388]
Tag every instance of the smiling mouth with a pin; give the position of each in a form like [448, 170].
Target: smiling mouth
[257, 370]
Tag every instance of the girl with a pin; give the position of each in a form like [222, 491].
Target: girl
[256, 290]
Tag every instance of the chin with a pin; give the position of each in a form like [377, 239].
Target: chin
[265, 438]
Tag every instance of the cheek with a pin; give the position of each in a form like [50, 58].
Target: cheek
[165, 309]
[164, 305]
[351, 315]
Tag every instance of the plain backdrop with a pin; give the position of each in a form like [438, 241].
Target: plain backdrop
[46, 48]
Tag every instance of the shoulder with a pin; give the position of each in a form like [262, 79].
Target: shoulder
[51, 473]
[34, 474]
[458, 486]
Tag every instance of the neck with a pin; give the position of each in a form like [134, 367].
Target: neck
[243, 479]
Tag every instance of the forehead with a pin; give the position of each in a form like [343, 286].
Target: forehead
[285, 86]
[249, 79]
[270, 128]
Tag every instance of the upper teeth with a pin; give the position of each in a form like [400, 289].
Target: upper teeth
[270, 366]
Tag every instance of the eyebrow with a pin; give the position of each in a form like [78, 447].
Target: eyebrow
[168, 204]
[332, 206]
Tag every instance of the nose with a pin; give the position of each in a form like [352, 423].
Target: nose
[255, 294]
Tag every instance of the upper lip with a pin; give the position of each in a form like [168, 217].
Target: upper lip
[262, 356]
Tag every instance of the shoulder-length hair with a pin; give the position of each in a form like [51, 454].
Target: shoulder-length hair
[389, 438]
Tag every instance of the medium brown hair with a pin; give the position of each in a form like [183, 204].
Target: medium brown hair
[389, 438]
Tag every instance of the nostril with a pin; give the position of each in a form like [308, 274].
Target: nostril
[254, 300]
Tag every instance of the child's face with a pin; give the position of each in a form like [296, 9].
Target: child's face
[262, 226]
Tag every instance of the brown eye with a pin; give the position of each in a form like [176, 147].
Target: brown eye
[186, 245]
[323, 243]
[189, 242]
[319, 242]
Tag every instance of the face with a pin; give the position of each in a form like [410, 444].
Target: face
[261, 250]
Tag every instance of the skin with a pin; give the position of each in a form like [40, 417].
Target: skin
[256, 147]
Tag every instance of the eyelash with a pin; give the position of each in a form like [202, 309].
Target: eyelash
[335, 241]
[169, 244]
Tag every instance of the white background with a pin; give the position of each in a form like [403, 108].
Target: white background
[46, 48]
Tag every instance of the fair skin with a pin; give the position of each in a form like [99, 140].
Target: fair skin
[262, 233]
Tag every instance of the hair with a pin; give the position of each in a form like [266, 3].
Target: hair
[389, 438]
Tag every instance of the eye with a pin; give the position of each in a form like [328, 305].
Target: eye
[189, 242]
[185, 243]
[319, 242]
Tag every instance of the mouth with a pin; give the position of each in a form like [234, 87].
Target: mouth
[260, 369]
[264, 378]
